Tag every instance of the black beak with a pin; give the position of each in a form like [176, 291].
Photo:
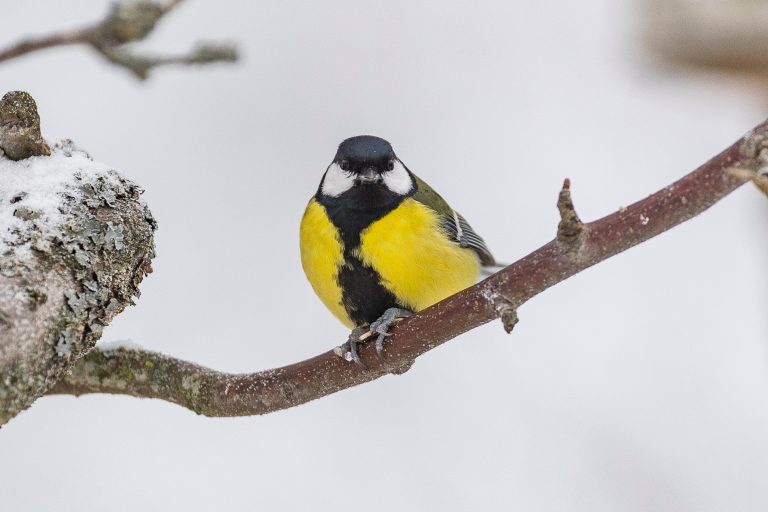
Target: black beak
[368, 176]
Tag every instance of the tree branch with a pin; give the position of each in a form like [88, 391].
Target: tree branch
[576, 247]
[75, 242]
[126, 22]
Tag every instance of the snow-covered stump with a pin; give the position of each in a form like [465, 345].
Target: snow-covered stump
[75, 242]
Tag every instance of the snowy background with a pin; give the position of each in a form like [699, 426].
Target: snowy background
[641, 384]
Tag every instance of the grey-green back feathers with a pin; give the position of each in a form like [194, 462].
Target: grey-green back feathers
[454, 224]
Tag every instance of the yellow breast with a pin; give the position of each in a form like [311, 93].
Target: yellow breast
[415, 260]
[322, 253]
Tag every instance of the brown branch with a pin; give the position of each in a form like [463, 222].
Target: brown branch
[576, 247]
[79, 36]
[126, 22]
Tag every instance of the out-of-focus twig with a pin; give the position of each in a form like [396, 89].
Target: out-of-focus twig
[727, 35]
[126, 22]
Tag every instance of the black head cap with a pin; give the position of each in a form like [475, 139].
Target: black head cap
[365, 149]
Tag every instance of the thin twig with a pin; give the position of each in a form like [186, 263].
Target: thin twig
[147, 374]
[126, 22]
[79, 36]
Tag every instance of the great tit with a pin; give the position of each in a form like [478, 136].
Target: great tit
[378, 243]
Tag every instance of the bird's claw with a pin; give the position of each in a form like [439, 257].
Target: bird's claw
[380, 343]
[382, 325]
[349, 349]
[379, 328]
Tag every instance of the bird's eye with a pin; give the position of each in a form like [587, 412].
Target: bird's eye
[391, 165]
[344, 165]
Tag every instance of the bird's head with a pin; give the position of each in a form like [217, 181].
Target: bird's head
[366, 170]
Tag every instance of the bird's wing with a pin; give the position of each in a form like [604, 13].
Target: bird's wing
[454, 224]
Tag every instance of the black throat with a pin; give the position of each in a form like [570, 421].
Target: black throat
[358, 208]
[364, 297]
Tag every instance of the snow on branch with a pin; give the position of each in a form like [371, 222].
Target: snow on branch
[126, 22]
[75, 242]
[576, 247]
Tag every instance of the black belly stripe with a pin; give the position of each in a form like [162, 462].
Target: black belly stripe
[364, 297]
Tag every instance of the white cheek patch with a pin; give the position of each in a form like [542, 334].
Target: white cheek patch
[336, 181]
[398, 180]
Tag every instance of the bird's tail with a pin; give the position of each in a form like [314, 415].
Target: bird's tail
[489, 270]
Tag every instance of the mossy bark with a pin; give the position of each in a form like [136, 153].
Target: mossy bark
[55, 301]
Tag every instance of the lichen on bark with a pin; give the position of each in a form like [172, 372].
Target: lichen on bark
[65, 274]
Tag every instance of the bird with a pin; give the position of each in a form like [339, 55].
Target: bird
[378, 243]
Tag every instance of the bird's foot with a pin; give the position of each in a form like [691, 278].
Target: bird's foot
[381, 326]
[348, 350]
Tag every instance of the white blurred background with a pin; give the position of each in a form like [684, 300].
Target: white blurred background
[641, 384]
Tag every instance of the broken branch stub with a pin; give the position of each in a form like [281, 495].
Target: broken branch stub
[20, 127]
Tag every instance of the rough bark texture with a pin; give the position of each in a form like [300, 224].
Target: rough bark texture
[63, 280]
[576, 247]
[20, 127]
